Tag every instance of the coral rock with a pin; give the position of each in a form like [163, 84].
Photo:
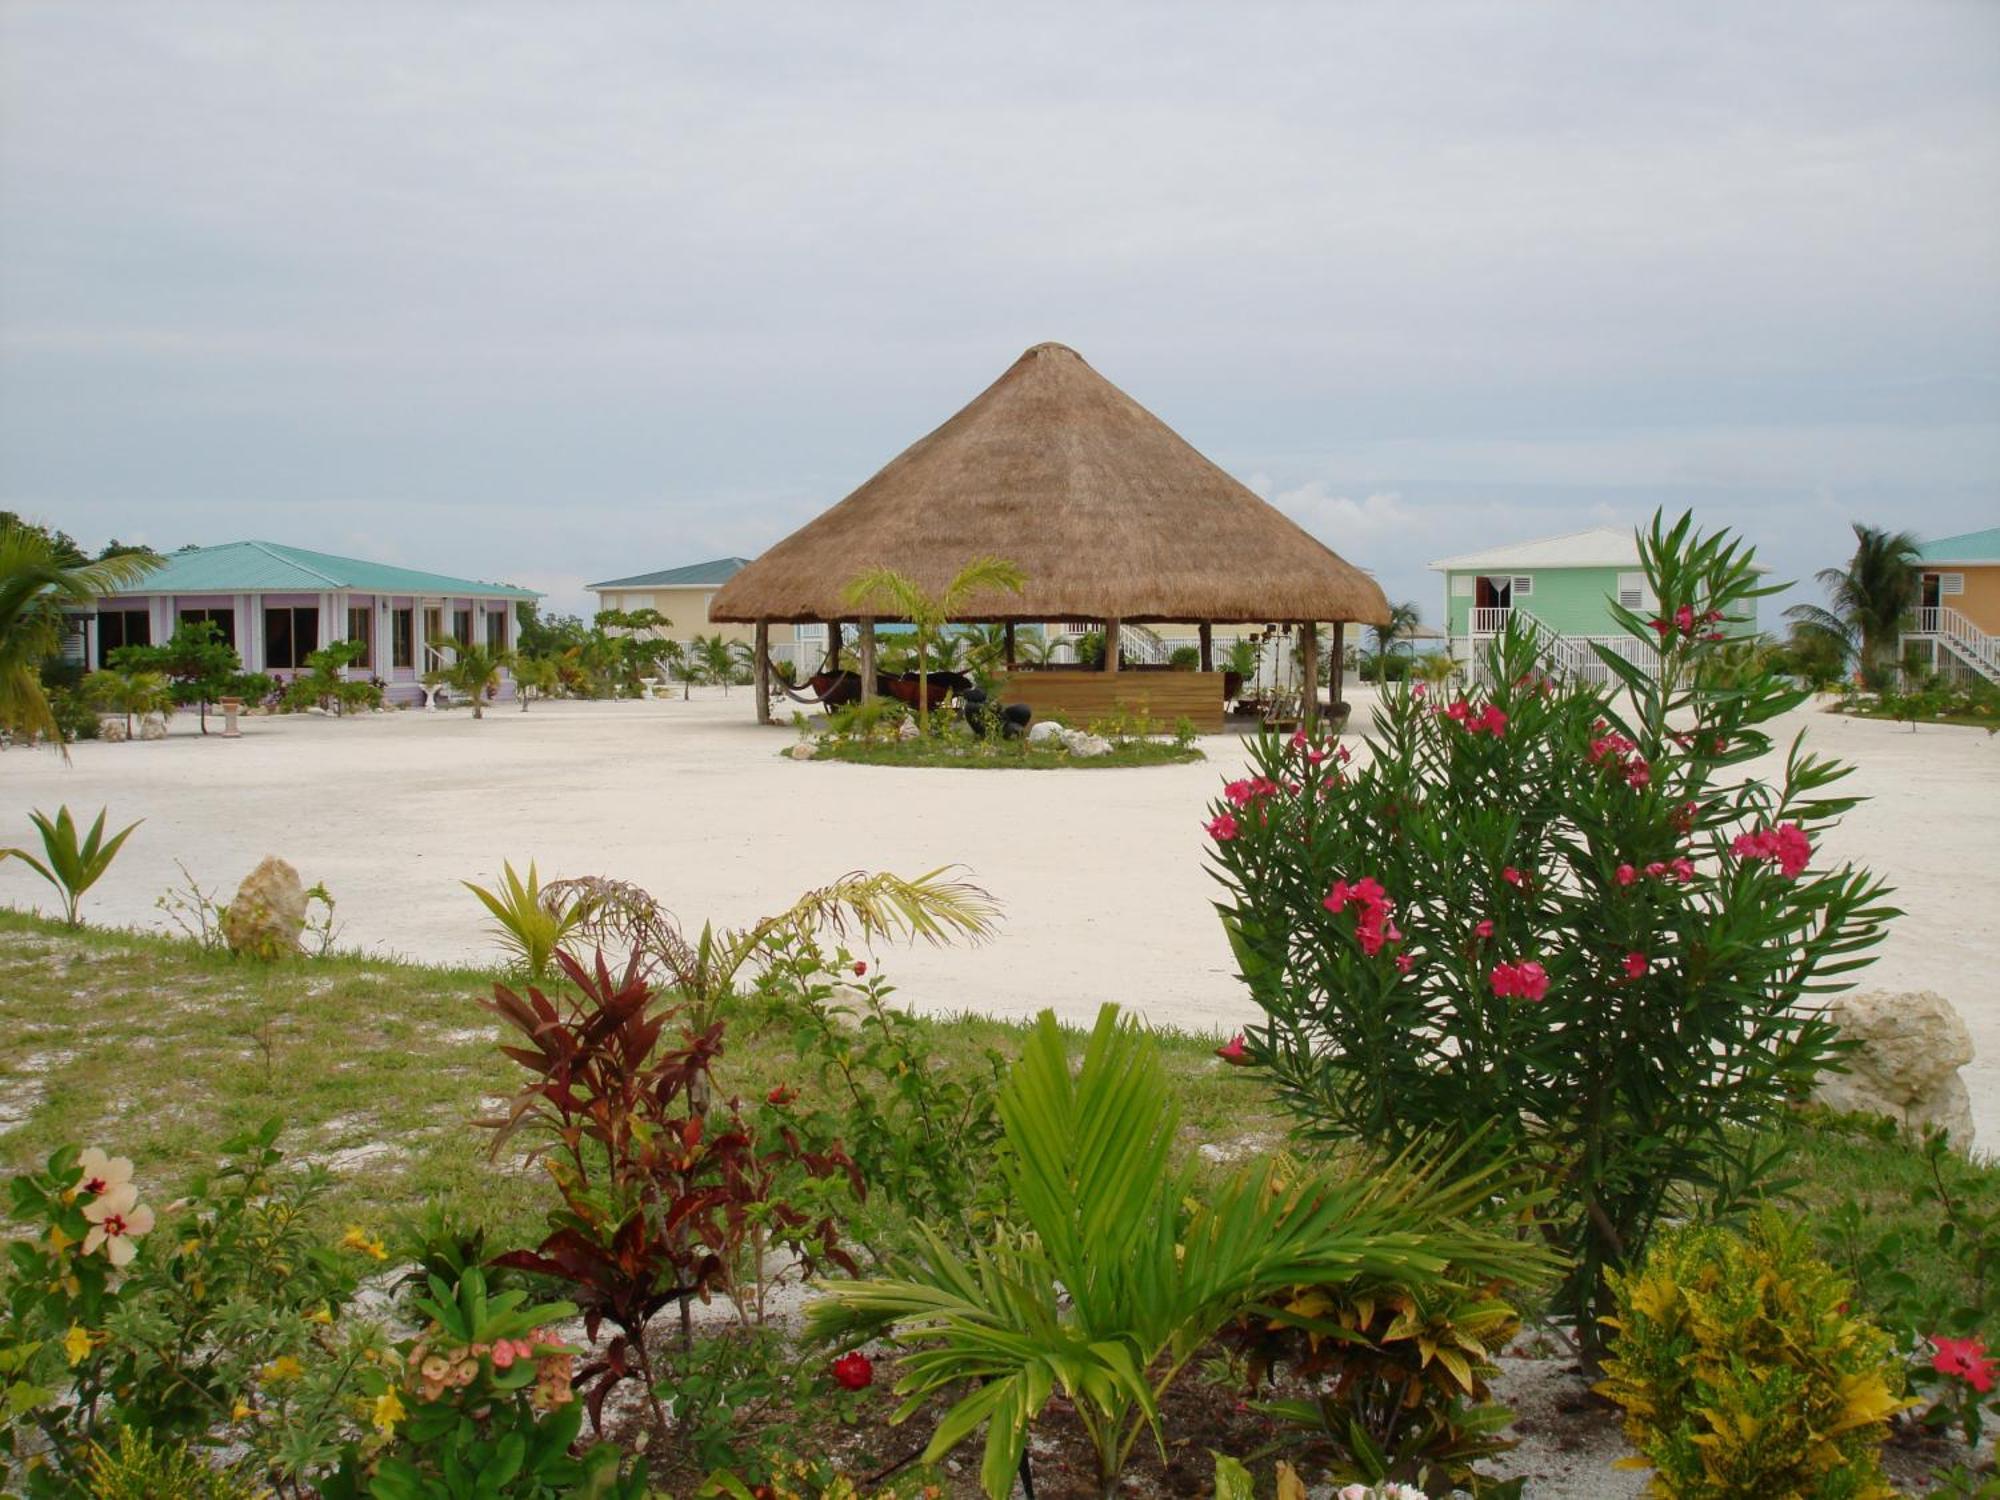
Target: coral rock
[1912, 1046]
[268, 914]
[152, 727]
[113, 729]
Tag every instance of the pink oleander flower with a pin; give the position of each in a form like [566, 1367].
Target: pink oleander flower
[1786, 845]
[1513, 876]
[1234, 1051]
[1245, 793]
[1626, 875]
[1636, 965]
[1459, 710]
[1405, 963]
[1222, 828]
[1484, 929]
[1963, 1359]
[1492, 721]
[1681, 868]
[1525, 981]
[1684, 619]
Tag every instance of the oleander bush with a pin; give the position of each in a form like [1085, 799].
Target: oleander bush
[1557, 922]
[1742, 1370]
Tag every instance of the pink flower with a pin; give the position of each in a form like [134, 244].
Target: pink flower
[1626, 875]
[1684, 619]
[1233, 1051]
[1492, 721]
[1244, 793]
[1343, 754]
[860, 968]
[1963, 1359]
[1656, 869]
[1459, 711]
[1484, 929]
[1221, 828]
[854, 1371]
[1299, 740]
[1682, 869]
[1525, 981]
[1786, 844]
[1513, 876]
[1635, 965]
[1638, 773]
[1405, 962]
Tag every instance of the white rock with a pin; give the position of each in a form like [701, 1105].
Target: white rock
[1088, 746]
[803, 750]
[112, 728]
[1046, 730]
[1912, 1046]
[907, 730]
[152, 727]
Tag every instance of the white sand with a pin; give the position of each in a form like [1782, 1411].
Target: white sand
[1100, 873]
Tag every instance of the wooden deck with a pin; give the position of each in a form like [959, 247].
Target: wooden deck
[1081, 697]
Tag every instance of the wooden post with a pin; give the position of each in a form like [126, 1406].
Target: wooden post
[1207, 633]
[833, 645]
[761, 671]
[1339, 660]
[1110, 645]
[1309, 649]
[868, 661]
[1009, 637]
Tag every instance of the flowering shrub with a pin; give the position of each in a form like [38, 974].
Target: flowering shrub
[1742, 1372]
[1554, 920]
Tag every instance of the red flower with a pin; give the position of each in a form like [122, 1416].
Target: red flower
[854, 1371]
[1221, 828]
[1635, 965]
[1234, 1051]
[781, 1096]
[1513, 876]
[1492, 721]
[1626, 874]
[1787, 844]
[1684, 619]
[1527, 981]
[1964, 1359]
[1484, 929]
[1405, 963]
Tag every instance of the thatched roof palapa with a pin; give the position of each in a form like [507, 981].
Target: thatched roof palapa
[1108, 511]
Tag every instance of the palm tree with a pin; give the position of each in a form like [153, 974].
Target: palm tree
[119, 690]
[928, 613]
[714, 659]
[535, 676]
[1870, 599]
[36, 581]
[1403, 621]
[474, 671]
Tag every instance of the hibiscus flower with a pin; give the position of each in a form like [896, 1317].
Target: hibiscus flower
[117, 1218]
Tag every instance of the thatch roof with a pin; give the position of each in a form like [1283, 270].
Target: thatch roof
[1106, 509]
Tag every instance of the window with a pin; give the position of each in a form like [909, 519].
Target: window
[1524, 585]
[496, 630]
[1461, 585]
[224, 621]
[361, 627]
[461, 626]
[1951, 583]
[291, 634]
[122, 627]
[402, 638]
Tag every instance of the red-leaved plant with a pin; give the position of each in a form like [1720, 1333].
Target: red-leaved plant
[663, 1190]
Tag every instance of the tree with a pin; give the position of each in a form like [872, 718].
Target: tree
[1870, 599]
[200, 664]
[535, 676]
[712, 655]
[40, 573]
[928, 613]
[122, 690]
[473, 671]
[324, 682]
[1403, 621]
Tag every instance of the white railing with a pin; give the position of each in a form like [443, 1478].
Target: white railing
[1489, 621]
[1575, 656]
[1925, 621]
[1972, 643]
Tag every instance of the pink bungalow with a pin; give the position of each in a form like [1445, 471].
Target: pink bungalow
[277, 604]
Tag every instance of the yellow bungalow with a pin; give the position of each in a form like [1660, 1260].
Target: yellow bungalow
[1957, 620]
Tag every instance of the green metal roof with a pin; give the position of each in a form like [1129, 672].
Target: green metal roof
[1974, 546]
[694, 575]
[267, 567]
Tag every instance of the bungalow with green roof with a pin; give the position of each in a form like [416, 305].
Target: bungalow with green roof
[276, 605]
[681, 594]
[1957, 619]
[1562, 586]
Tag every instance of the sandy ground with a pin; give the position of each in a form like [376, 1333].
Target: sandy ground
[1099, 872]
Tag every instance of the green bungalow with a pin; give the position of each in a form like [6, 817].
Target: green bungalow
[1564, 586]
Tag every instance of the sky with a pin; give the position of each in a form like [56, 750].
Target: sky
[554, 293]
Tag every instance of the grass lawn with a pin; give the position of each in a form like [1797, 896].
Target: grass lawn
[150, 1047]
[1004, 755]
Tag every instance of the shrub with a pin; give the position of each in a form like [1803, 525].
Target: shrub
[1184, 658]
[69, 863]
[137, 1468]
[1546, 921]
[1741, 1371]
[1114, 1274]
[1397, 1379]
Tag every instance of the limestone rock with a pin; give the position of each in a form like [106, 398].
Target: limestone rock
[112, 728]
[268, 914]
[1086, 746]
[1044, 731]
[1912, 1046]
[907, 730]
[803, 750]
[152, 727]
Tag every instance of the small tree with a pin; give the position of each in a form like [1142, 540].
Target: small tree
[202, 667]
[323, 683]
[473, 671]
[1550, 922]
[119, 690]
[929, 613]
[1402, 623]
[715, 660]
[535, 677]
[1870, 598]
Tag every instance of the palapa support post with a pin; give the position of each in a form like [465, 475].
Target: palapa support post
[1339, 662]
[868, 661]
[1007, 634]
[1309, 650]
[763, 671]
[833, 645]
[1110, 645]
[1206, 632]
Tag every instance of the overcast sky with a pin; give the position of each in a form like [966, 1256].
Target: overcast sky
[559, 292]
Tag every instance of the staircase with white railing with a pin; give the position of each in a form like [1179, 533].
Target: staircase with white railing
[1575, 657]
[1964, 640]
